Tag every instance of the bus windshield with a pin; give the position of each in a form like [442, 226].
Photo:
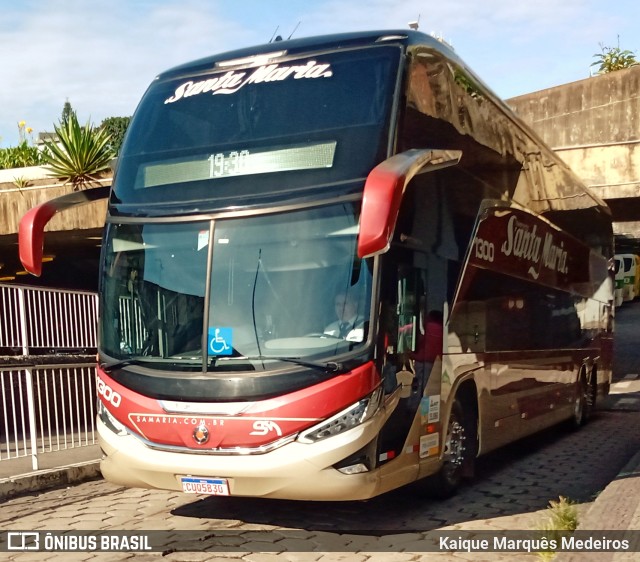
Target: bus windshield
[280, 287]
[229, 133]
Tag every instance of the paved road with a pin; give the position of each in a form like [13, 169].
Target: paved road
[627, 340]
[512, 489]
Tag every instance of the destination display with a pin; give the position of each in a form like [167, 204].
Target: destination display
[242, 162]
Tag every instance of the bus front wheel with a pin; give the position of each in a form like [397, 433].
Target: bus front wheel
[456, 455]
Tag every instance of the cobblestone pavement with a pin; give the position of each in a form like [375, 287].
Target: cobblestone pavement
[511, 491]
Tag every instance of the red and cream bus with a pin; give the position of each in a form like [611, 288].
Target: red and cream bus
[335, 266]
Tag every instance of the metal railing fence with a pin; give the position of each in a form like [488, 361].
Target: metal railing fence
[47, 384]
[46, 408]
[37, 320]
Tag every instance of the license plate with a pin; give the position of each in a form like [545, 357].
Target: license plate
[209, 486]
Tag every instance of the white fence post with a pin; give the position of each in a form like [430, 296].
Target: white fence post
[32, 419]
[22, 314]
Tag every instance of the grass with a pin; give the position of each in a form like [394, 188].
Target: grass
[561, 517]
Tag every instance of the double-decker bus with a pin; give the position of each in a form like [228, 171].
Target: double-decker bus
[335, 266]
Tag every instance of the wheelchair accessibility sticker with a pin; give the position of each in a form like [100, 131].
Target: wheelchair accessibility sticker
[220, 341]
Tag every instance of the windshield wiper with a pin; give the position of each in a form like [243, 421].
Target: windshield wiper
[108, 367]
[329, 367]
[144, 360]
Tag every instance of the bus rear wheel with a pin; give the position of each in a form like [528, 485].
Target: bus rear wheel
[446, 481]
[584, 402]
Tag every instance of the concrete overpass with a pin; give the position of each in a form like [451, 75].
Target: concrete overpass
[594, 124]
[72, 244]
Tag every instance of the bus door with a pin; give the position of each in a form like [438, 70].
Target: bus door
[411, 325]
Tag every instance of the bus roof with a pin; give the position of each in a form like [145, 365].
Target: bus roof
[408, 39]
[319, 42]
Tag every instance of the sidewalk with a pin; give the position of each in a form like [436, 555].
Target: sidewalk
[60, 468]
[617, 508]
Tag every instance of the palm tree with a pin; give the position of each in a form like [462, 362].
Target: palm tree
[80, 154]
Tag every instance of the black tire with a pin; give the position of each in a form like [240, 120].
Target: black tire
[457, 457]
[584, 402]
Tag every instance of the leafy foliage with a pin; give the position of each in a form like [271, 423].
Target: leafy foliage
[80, 153]
[613, 58]
[20, 156]
[116, 127]
[25, 154]
[561, 519]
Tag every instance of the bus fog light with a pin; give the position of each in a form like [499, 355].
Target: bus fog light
[354, 469]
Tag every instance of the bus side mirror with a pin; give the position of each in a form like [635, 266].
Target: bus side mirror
[383, 192]
[31, 237]
[31, 230]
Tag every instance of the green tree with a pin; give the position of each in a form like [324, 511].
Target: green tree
[116, 127]
[67, 112]
[611, 59]
[80, 154]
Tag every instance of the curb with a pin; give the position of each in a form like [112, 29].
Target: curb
[614, 509]
[34, 482]
[619, 500]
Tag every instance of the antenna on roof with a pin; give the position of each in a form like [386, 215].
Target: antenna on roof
[294, 30]
[273, 37]
[415, 24]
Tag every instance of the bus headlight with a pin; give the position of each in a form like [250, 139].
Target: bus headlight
[348, 418]
[112, 423]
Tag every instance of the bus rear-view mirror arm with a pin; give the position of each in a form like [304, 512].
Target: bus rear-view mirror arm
[383, 192]
[31, 230]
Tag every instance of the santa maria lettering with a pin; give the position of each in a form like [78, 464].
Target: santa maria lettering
[231, 81]
[524, 242]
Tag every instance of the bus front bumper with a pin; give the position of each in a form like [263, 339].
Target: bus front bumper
[293, 471]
